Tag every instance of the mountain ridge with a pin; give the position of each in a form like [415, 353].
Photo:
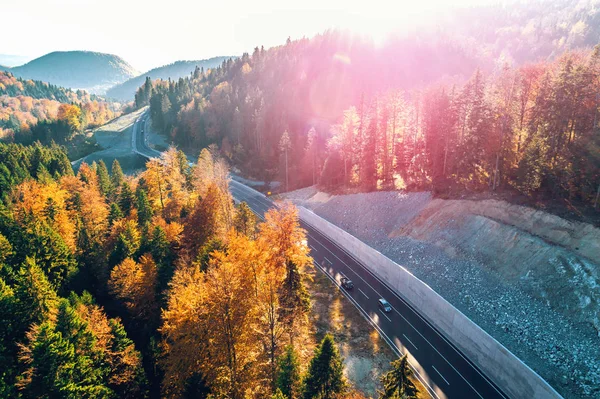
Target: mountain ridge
[88, 70]
[126, 90]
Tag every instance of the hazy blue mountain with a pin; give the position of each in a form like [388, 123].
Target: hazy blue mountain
[92, 71]
[176, 70]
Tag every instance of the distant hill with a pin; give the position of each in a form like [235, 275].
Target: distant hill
[126, 90]
[94, 72]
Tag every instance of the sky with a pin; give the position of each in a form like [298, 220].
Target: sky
[151, 33]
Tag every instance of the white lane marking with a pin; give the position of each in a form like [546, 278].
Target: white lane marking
[330, 262]
[344, 263]
[382, 333]
[362, 292]
[384, 315]
[436, 370]
[408, 339]
[312, 248]
[442, 356]
[426, 340]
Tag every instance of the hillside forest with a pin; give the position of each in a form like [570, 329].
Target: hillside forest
[37, 111]
[343, 113]
[154, 286]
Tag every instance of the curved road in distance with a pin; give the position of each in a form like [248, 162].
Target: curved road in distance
[439, 365]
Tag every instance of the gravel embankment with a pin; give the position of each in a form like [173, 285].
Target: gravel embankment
[565, 352]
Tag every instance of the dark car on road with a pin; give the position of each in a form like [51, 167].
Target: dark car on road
[385, 305]
[347, 283]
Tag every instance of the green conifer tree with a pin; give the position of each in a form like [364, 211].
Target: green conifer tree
[126, 199]
[104, 182]
[144, 208]
[116, 174]
[288, 373]
[324, 378]
[397, 383]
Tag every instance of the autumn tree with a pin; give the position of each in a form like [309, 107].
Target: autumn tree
[209, 321]
[134, 284]
[207, 220]
[71, 115]
[245, 220]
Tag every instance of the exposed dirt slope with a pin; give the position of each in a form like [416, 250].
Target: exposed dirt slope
[549, 257]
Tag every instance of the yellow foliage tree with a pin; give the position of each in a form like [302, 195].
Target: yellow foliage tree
[282, 237]
[45, 202]
[71, 114]
[135, 285]
[212, 319]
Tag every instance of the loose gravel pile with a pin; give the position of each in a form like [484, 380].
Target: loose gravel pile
[565, 352]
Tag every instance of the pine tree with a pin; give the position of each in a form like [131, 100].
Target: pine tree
[129, 380]
[35, 295]
[144, 208]
[115, 213]
[9, 335]
[163, 255]
[397, 383]
[126, 199]
[325, 378]
[104, 182]
[294, 299]
[50, 252]
[63, 360]
[285, 145]
[288, 373]
[116, 174]
[369, 153]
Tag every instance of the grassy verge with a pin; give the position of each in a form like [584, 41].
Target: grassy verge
[82, 146]
[366, 354]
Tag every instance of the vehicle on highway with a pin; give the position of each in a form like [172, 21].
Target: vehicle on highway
[385, 305]
[347, 283]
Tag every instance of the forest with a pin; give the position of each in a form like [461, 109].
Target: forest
[531, 130]
[155, 285]
[37, 111]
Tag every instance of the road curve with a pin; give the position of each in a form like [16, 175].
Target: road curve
[439, 365]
